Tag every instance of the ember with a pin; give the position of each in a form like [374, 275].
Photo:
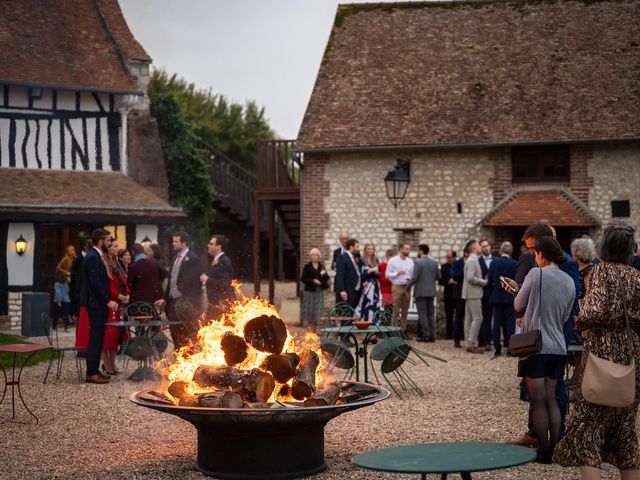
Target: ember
[249, 353]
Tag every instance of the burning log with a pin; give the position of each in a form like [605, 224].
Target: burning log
[280, 366]
[324, 396]
[293, 357]
[254, 385]
[177, 389]
[188, 401]
[285, 390]
[234, 348]
[266, 333]
[305, 382]
[221, 399]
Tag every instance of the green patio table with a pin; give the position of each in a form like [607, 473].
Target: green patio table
[445, 458]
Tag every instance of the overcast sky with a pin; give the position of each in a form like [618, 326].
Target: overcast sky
[263, 50]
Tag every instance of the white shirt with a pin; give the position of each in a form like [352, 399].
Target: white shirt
[397, 264]
[355, 265]
[217, 257]
[487, 260]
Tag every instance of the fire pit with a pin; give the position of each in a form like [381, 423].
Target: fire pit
[284, 442]
[258, 396]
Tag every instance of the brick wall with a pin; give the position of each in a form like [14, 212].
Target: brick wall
[500, 183]
[315, 220]
[580, 181]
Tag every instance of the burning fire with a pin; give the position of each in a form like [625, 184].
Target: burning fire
[207, 349]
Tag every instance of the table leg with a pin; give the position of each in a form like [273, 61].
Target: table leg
[465, 475]
[365, 356]
[355, 341]
[18, 384]
[4, 392]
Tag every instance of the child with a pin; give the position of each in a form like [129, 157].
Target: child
[61, 300]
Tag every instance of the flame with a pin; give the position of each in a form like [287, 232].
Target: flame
[207, 350]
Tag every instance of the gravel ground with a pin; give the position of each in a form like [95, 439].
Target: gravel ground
[94, 431]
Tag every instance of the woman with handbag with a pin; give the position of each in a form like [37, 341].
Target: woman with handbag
[602, 427]
[544, 303]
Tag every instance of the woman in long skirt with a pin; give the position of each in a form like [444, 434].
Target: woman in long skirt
[315, 280]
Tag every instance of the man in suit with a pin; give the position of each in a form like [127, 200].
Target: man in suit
[425, 275]
[472, 290]
[448, 283]
[457, 275]
[337, 253]
[502, 301]
[220, 292]
[348, 281]
[184, 286]
[485, 259]
[94, 296]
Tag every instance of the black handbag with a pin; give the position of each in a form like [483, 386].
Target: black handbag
[528, 343]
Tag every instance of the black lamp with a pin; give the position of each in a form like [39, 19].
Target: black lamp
[21, 245]
[146, 239]
[397, 181]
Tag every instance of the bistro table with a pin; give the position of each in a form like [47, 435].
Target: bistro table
[16, 348]
[143, 328]
[445, 458]
[370, 335]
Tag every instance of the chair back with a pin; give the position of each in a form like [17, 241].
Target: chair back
[392, 352]
[140, 309]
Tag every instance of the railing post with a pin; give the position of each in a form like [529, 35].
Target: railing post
[256, 245]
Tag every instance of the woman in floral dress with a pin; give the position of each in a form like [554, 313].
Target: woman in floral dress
[597, 434]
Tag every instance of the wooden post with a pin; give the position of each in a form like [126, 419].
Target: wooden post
[272, 249]
[256, 244]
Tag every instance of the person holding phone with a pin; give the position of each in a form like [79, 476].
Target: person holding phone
[502, 301]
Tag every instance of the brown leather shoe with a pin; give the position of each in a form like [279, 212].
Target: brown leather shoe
[475, 350]
[97, 378]
[457, 345]
[526, 441]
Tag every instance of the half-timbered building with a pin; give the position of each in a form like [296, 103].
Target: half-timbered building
[78, 147]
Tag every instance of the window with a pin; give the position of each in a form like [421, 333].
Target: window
[620, 209]
[540, 164]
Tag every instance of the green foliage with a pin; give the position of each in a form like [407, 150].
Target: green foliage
[189, 182]
[6, 358]
[227, 126]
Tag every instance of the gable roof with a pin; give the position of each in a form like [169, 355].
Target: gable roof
[555, 206]
[477, 73]
[74, 44]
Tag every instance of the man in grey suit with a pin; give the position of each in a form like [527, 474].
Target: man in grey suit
[425, 275]
[472, 290]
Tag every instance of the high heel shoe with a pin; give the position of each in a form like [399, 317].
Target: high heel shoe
[104, 369]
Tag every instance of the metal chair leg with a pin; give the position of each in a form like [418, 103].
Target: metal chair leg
[60, 362]
[49, 367]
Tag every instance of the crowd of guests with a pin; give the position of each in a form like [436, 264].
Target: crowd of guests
[96, 286]
[588, 297]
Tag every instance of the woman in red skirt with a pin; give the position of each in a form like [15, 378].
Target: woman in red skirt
[118, 292]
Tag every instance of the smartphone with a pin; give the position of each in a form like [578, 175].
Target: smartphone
[506, 285]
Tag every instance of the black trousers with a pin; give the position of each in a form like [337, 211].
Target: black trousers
[458, 321]
[485, 330]
[97, 323]
[182, 334]
[449, 312]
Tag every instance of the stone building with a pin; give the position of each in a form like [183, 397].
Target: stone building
[78, 146]
[510, 112]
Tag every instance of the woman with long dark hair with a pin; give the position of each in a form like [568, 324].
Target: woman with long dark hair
[596, 433]
[544, 302]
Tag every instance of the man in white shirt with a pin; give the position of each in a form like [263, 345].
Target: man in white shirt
[399, 272]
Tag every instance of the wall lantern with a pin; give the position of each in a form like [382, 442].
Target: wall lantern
[21, 245]
[397, 181]
[146, 239]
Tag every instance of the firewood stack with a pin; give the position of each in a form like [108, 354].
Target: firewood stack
[292, 374]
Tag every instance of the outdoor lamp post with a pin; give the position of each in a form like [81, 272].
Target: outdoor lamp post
[397, 181]
[21, 245]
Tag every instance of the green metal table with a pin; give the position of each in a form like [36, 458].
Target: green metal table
[370, 333]
[445, 458]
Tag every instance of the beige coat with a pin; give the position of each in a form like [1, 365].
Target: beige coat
[473, 282]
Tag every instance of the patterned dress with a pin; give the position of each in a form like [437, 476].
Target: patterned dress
[370, 301]
[597, 434]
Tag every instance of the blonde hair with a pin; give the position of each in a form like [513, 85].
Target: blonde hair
[371, 260]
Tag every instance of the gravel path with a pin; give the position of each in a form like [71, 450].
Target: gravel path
[95, 432]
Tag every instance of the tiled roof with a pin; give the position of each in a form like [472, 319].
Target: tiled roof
[67, 192]
[67, 43]
[557, 207]
[477, 72]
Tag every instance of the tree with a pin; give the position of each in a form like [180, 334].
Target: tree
[228, 126]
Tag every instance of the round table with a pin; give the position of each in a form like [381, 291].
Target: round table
[447, 457]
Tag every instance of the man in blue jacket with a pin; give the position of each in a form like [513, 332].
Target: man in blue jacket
[503, 316]
[94, 296]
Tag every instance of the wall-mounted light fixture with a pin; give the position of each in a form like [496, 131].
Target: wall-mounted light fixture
[397, 181]
[146, 239]
[21, 245]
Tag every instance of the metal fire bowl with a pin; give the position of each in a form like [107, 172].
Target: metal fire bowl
[261, 443]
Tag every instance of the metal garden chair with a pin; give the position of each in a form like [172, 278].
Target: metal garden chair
[56, 349]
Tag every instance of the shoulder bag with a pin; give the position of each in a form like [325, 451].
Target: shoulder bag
[607, 383]
[528, 343]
